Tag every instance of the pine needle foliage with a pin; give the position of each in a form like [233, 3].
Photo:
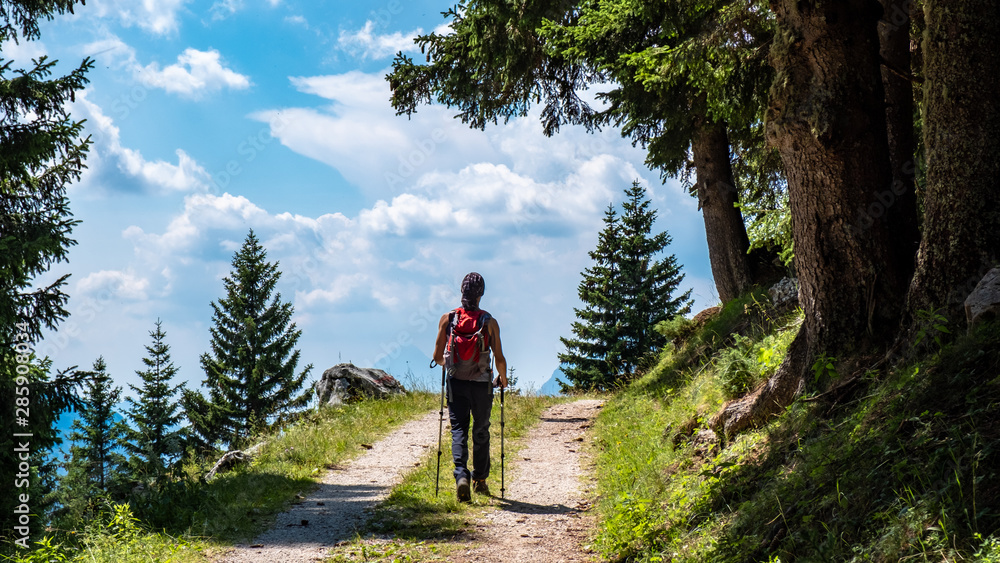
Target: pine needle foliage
[96, 468]
[251, 371]
[154, 441]
[41, 152]
[627, 291]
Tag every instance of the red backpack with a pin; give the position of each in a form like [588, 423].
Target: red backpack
[467, 354]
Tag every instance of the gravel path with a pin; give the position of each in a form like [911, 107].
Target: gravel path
[337, 508]
[543, 518]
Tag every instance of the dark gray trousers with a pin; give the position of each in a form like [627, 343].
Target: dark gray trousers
[470, 399]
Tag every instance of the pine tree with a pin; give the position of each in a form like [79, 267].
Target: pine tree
[625, 293]
[593, 357]
[41, 152]
[96, 468]
[648, 284]
[153, 440]
[250, 372]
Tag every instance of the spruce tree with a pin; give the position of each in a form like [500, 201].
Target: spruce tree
[648, 284]
[154, 441]
[250, 373]
[96, 468]
[41, 152]
[625, 293]
[593, 356]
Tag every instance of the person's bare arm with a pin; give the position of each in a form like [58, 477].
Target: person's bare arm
[442, 340]
[497, 347]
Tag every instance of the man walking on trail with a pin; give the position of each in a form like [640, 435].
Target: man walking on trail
[466, 337]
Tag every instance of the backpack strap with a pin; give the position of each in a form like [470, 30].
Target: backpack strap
[483, 321]
[452, 321]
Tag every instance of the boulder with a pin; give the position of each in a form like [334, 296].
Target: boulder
[706, 315]
[785, 292]
[984, 301]
[344, 383]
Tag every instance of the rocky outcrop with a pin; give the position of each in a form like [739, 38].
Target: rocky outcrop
[344, 383]
[984, 301]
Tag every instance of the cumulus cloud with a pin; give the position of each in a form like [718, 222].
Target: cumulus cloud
[359, 134]
[113, 285]
[366, 43]
[159, 17]
[24, 52]
[155, 176]
[222, 9]
[195, 73]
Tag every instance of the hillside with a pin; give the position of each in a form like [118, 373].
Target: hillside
[896, 462]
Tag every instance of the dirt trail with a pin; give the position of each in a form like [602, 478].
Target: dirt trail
[338, 507]
[543, 518]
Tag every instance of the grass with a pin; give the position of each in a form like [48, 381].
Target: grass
[114, 536]
[240, 504]
[901, 465]
[415, 525]
[195, 518]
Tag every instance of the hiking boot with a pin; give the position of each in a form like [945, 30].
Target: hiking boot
[479, 485]
[463, 490]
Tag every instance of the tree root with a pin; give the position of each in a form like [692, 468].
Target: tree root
[768, 400]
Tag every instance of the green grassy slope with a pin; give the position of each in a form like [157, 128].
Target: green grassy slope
[899, 465]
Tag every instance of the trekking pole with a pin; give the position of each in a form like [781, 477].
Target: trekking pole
[501, 443]
[437, 480]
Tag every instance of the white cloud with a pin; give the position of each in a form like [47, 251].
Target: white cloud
[156, 176]
[338, 290]
[365, 43]
[111, 285]
[24, 52]
[444, 29]
[222, 9]
[359, 134]
[194, 73]
[203, 213]
[112, 51]
[159, 17]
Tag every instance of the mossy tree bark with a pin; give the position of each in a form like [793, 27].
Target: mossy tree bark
[961, 231]
[827, 119]
[728, 242]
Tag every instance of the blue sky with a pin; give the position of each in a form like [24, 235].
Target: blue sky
[213, 117]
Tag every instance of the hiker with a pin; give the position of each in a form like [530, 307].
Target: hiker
[466, 337]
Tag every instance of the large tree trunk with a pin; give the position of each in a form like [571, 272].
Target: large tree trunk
[827, 119]
[961, 234]
[901, 196]
[728, 242]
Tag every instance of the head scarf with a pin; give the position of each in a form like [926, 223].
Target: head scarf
[473, 287]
